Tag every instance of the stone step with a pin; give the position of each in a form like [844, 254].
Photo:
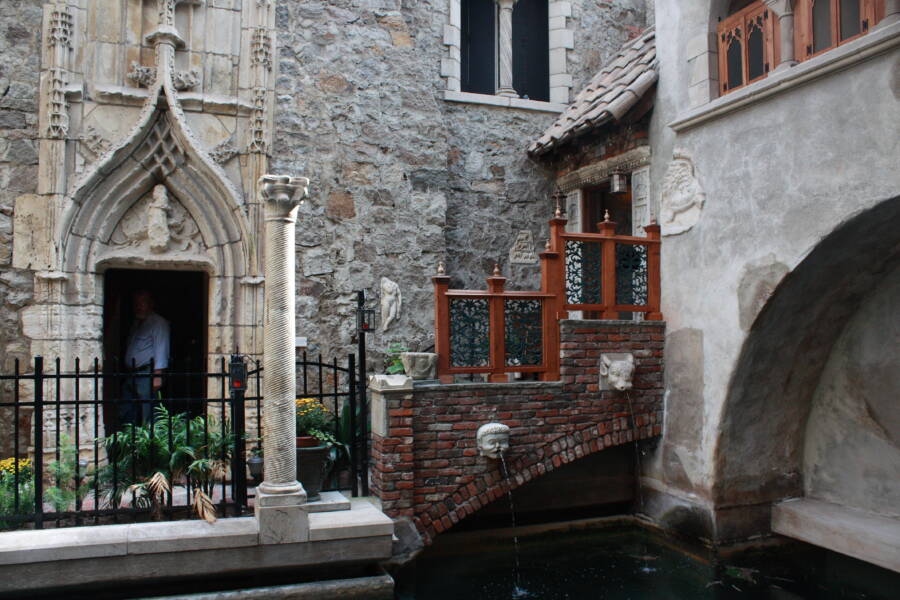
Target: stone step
[328, 502]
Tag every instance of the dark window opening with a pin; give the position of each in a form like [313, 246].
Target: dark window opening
[821, 18]
[755, 54]
[735, 66]
[850, 19]
[531, 50]
[479, 47]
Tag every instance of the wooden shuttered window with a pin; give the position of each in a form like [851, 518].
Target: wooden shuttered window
[824, 24]
[478, 53]
[531, 50]
[747, 46]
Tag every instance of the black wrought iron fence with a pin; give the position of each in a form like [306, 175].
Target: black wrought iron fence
[86, 450]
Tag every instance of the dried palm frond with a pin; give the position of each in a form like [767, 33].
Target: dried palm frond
[158, 485]
[204, 507]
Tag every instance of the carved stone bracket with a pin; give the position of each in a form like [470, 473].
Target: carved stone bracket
[601, 171]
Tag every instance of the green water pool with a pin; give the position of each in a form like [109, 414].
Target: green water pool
[631, 563]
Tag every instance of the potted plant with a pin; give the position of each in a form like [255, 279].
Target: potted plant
[255, 463]
[314, 442]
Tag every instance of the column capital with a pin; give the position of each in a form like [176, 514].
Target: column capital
[282, 194]
[506, 3]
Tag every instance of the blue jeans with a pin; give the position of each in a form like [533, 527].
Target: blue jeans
[135, 405]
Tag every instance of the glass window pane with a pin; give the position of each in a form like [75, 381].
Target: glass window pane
[735, 70]
[850, 21]
[821, 17]
[755, 55]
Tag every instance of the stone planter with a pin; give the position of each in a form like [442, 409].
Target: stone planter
[255, 465]
[311, 466]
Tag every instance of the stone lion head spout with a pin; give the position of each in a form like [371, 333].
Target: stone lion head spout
[493, 440]
[616, 372]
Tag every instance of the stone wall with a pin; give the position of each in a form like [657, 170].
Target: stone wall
[402, 178]
[425, 463]
[20, 26]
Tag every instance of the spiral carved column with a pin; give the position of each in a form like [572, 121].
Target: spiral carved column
[506, 60]
[280, 497]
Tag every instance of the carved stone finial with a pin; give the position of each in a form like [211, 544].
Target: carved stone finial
[496, 270]
[440, 270]
[282, 194]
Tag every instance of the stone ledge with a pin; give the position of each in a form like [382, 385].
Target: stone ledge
[865, 536]
[487, 99]
[363, 520]
[514, 386]
[876, 42]
[609, 323]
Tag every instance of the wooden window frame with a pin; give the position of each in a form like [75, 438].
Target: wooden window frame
[737, 25]
[871, 11]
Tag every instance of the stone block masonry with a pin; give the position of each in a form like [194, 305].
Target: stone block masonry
[426, 465]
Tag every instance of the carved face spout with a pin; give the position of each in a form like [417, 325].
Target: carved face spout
[493, 440]
[617, 373]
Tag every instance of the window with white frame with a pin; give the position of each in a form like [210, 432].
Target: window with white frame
[512, 48]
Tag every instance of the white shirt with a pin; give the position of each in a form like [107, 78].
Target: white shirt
[149, 339]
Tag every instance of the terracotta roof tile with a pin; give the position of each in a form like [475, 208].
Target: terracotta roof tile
[609, 95]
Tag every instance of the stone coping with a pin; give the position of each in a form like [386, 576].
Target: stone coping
[877, 41]
[427, 385]
[865, 536]
[608, 322]
[363, 520]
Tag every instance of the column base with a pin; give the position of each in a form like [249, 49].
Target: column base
[282, 518]
[508, 92]
[784, 66]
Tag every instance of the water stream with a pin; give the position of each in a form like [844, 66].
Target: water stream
[518, 590]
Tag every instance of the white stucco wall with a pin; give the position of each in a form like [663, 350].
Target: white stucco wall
[779, 174]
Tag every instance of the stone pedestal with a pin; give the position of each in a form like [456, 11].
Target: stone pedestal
[282, 517]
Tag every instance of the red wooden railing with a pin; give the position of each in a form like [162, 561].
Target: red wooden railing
[478, 331]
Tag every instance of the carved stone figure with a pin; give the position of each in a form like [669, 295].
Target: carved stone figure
[492, 440]
[157, 220]
[419, 365]
[522, 251]
[682, 198]
[391, 303]
[616, 371]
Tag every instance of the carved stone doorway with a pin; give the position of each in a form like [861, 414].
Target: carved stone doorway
[182, 298]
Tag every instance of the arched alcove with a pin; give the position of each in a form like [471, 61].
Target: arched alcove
[760, 443]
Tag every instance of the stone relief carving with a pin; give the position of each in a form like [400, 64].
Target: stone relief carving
[420, 365]
[391, 303]
[616, 371]
[682, 198]
[160, 224]
[261, 49]
[522, 251]
[492, 440]
[224, 151]
[258, 122]
[146, 76]
[60, 32]
[94, 142]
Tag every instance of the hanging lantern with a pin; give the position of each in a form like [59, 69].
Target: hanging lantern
[618, 183]
[365, 317]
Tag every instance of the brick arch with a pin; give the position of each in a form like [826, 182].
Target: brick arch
[470, 497]
[424, 456]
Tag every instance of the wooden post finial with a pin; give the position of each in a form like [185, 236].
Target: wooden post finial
[557, 198]
[440, 270]
[496, 269]
[606, 216]
[547, 245]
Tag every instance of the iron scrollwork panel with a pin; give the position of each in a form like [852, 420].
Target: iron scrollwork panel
[631, 274]
[469, 332]
[583, 273]
[524, 333]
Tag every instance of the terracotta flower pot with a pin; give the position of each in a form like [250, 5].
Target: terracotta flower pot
[312, 464]
[307, 441]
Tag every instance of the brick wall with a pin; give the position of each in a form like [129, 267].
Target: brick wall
[425, 460]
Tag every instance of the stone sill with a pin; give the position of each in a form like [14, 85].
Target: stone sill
[536, 105]
[878, 41]
[609, 322]
[363, 520]
[432, 385]
[864, 536]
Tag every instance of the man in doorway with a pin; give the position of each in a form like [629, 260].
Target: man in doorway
[148, 348]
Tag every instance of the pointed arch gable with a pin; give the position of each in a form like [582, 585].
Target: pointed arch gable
[160, 150]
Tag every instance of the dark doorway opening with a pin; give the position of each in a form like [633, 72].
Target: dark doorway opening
[181, 298]
[599, 200]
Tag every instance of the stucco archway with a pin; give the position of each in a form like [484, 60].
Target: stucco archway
[759, 449]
